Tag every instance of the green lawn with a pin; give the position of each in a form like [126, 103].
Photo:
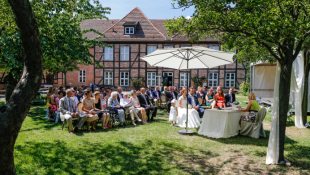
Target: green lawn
[156, 148]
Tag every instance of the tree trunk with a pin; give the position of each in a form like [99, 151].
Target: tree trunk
[306, 84]
[10, 82]
[18, 104]
[284, 94]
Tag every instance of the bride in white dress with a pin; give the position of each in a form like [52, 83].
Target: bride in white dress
[193, 115]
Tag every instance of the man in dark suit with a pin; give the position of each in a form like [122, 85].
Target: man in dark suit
[174, 92]
[156, 93]
[169, 97]
[146, 103]
[193, 100]
[230, 97]
[156, 96]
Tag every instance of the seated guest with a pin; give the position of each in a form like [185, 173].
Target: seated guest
[251, 109]
[201, 95]
[75, 98]
[174, 92]
[145, 103]
[230, 97]
[193, 115]
[138, 107]
[219, 99]
[80, 94]
[119, 93]
[210, 97]
[205, 89]
[52, 103]
[61, 94]
[90, 110]
[101, 110]
[68, 111]
[157, 95]
[113, 103]
[193, 99]
[149, 92]
[169, 97]
[107, 94]
[127, 104]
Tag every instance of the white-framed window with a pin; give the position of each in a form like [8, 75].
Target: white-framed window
[124, 53]
[108, 78]
[124, 79]
[151, 79]
[82, 76]
[129, 30]
[108, 53]
[150, 49]
[213, 79]
[183, 79]
[230, 79]
[168, 46]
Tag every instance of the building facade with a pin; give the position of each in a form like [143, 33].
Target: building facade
[126, 40]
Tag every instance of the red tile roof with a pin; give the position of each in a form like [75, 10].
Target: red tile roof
[113, 30]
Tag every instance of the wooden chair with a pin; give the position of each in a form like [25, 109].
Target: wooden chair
[163, 101]
[255, 128]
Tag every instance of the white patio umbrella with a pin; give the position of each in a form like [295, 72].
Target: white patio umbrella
[185, 58]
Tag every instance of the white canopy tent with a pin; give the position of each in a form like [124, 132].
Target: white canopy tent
[262, 82]
[297, 80]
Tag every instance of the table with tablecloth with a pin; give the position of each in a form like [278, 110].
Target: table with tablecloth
[220, 123]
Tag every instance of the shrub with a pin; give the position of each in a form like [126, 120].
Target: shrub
[137, 83]
[244, 88]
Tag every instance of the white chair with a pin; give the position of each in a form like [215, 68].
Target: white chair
[254, 129]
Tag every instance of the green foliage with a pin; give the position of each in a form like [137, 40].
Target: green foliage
[62, 42]
[278, 28]
[137, 83]
[198, 81]
[244, 88]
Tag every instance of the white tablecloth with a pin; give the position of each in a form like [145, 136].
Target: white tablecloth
[220, 123]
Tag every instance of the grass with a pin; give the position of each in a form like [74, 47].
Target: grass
[156, 148]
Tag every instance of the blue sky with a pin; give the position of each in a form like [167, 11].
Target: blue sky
[153, 9]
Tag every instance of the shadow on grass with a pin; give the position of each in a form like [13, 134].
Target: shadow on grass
[299, 155]
[37, 115]
[116, 158]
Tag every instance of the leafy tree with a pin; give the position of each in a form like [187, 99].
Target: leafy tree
[14, 112]
[63, 44]
[281, 27]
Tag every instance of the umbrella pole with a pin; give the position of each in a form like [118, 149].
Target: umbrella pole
[186, 128]
[186, 131]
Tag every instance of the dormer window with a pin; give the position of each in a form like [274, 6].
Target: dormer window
[130, 28]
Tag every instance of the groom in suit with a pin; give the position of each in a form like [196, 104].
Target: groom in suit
[68, 110]
[145, 102]
[193, 100]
